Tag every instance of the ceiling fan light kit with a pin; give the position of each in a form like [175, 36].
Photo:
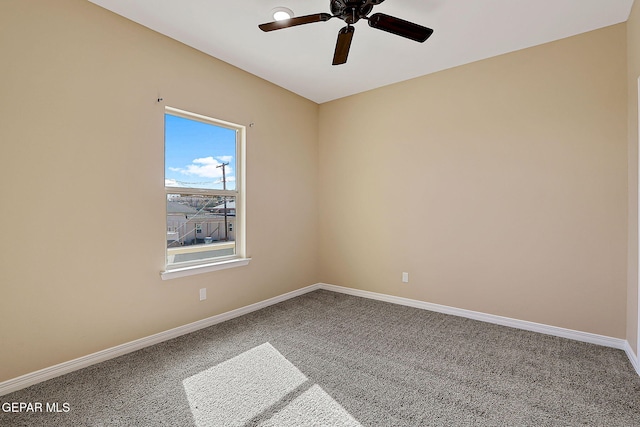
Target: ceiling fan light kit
[351, 11]
[281, 13]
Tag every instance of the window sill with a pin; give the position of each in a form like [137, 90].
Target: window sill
[205, 268]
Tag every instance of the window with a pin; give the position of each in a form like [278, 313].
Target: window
[204, 161]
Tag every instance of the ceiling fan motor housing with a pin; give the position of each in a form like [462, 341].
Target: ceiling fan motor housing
[351, 11]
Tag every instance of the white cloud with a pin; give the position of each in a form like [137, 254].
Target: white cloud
[225, 159]
[206, 167]
[170, 183]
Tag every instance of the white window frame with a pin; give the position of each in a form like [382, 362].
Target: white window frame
[239, 258]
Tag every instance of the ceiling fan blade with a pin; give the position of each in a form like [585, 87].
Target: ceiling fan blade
[343, 44]
[399, 27]
[298, 20]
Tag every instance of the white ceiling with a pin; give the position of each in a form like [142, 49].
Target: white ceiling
[299, 58]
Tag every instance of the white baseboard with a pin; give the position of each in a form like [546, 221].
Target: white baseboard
[606, 341]
[32, 378]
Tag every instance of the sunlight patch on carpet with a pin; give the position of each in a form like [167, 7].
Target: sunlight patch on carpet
[255, 382]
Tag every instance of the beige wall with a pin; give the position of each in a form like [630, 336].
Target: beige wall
[633, 49]
[500, 186]
[82, 138]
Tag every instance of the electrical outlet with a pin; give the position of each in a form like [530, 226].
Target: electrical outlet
[405, 277]
[203, 294]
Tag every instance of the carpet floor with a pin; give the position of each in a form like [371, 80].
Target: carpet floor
[329, 359]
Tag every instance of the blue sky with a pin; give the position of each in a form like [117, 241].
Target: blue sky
[193, 152]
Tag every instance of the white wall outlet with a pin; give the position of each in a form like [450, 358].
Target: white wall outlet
[203, 294]
[405, 277]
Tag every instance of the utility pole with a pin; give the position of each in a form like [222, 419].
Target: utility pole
[224, 187]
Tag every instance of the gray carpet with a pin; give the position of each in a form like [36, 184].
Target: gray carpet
[328, 359]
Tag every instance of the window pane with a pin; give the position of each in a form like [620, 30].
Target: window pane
[199, 154]
[200, 227]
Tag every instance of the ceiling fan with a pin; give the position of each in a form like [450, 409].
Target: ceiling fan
[351, 11]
